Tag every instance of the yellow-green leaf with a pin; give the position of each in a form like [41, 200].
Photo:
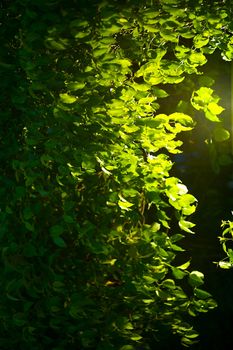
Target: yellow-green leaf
[214, 108]
[125, 205]
[184, 266]
[68, 99]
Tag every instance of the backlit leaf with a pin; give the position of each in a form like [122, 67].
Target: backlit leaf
[186, 225]
[125, 205]
[66, 98]
[214, 108]
[221, 134]
[184, 266]
[196, 278]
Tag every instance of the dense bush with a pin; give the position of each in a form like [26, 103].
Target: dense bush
[94, 98]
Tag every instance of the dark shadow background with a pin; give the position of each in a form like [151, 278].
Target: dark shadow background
[214, 190]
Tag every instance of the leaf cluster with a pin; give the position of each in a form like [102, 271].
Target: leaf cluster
[90, 215]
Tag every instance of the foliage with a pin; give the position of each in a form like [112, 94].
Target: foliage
[225, 239]
[91, 218]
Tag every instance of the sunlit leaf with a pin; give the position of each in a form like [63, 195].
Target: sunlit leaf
[200, 41]
[184, 266]
[125, 205]
[186, 225]
[178, 273]
[214, 108]
[211, 116]
[225, 264]
[136, 337]
[196, 278]
[197, 58]
[68, 99]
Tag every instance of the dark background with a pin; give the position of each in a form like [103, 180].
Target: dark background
[213, 187]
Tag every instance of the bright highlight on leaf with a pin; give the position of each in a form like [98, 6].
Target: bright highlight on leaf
[66, 98]
[125, 205]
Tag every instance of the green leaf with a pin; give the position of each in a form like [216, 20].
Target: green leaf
[220, 134]
[136, 337]
[178, 273]
[177, 248]
[212, 117]
[141, 87]
[196, 278]
[186, 225]
[182, 118]
[176, 237]
[200, 41]
[19, 319]
[202, 294]
[59, 241]
[169, 283]
[225, 264]
[68, 99]
[130, 128]
[214, 108]
[160, 93]
[125, 205]
[56, 230]
[191, 334]
[169, 35]
[184, 266]
[148, 301]
[197, 58]
[56, 45]
[75, 86]
[202, 97]
[149, 279]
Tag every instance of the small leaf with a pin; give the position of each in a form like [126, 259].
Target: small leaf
[169, 283]
[149, 279]
[125, 205]
[191, 334]
[202, 294]
[75, 86]
[136, 337]
[109, 262]
[68, 99]
[225, 264]
[127, 347]
[148, 301]
[196, 278]
[200, 41]
[59, 241]
[184, 266]
[177, 237]
[186, 225]
[212, 117]
[197, 58]
[221, 134]
[177, 273]
[177, 248]
[141, 87]
[130, 128]
[214, 108]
